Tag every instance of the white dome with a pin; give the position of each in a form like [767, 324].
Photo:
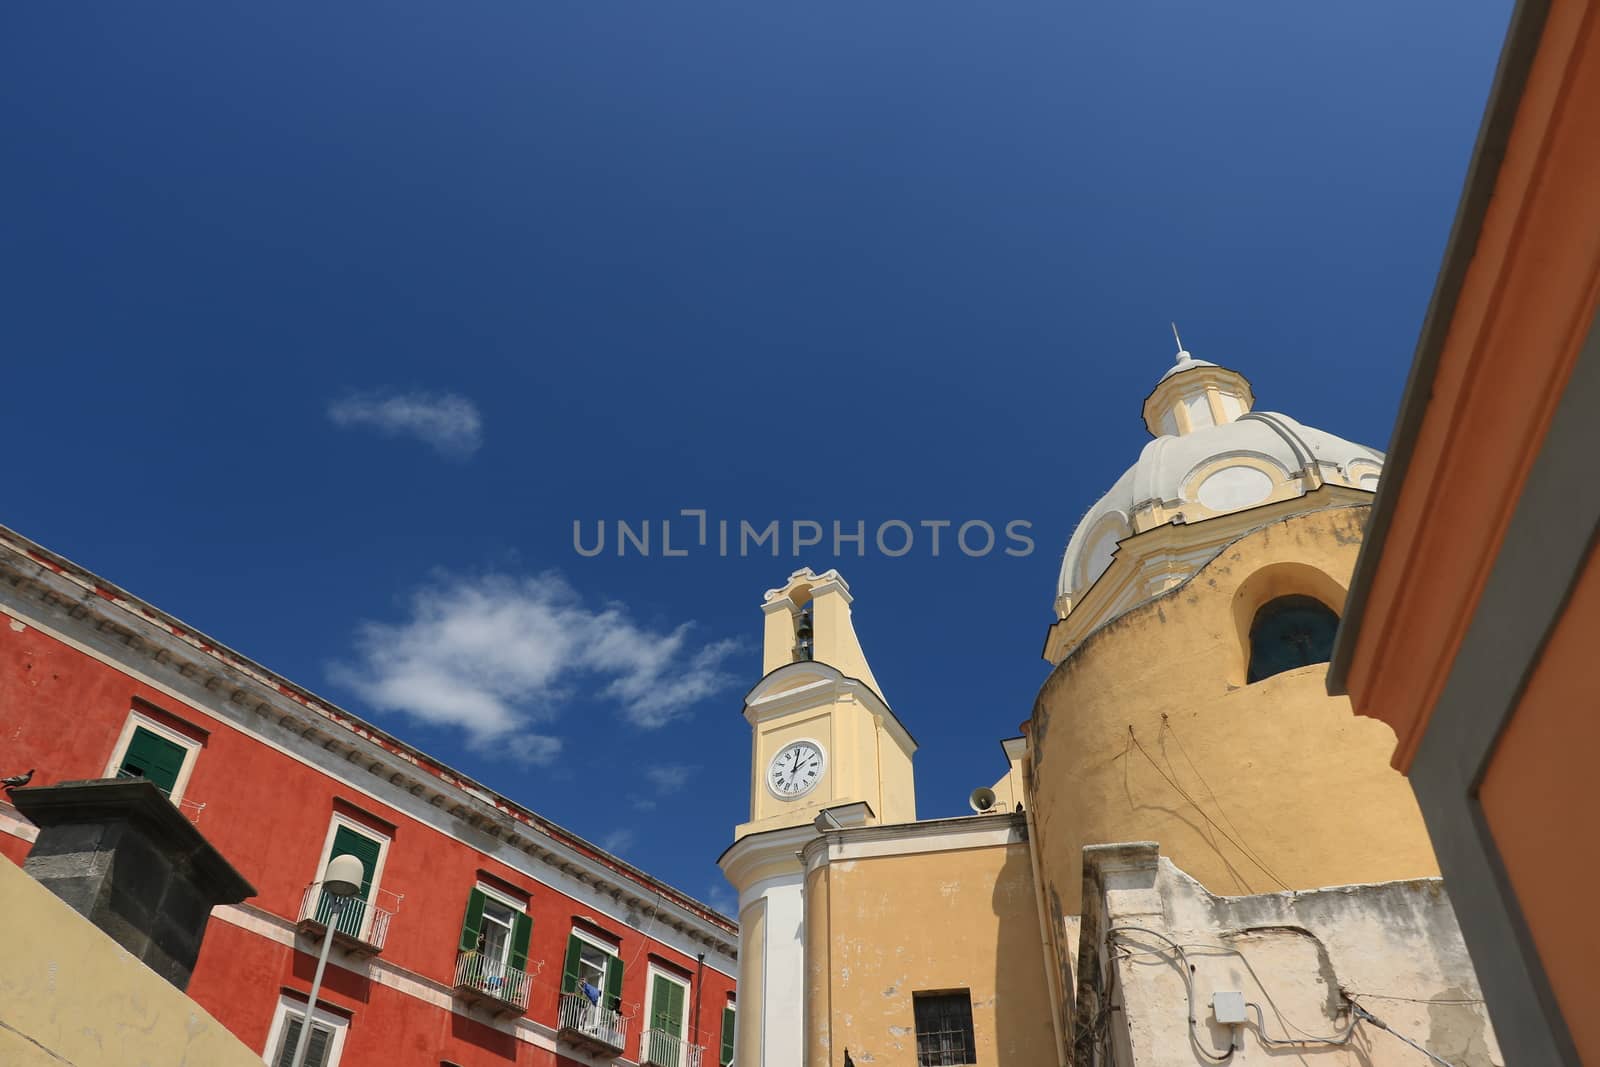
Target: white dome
[1211, 456]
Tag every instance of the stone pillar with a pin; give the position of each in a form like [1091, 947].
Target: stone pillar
[120, 853]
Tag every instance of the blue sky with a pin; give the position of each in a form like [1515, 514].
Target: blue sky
[323, 323]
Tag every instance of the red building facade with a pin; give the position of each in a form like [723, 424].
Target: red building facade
[483, 934]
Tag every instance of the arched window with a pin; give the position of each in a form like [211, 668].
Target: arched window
[1290, 632]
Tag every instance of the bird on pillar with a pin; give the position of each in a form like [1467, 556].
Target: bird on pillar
[16, 780]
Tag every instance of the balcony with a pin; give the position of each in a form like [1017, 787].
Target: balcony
[657, 1048]
[362, 926]
[591, 1026]
[484, 981]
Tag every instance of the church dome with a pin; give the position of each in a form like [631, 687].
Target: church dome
[1213, 455]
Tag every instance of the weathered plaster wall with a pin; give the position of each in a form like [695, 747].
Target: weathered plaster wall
[929, 921]
[1148, 731]
[1393, 948]
[71, 995]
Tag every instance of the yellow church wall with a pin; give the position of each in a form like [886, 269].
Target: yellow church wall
[1009, 790]
[897, 787]
[70, 994]
[1147, 731]
[894, 911]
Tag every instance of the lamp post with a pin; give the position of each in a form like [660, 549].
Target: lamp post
[342, 880]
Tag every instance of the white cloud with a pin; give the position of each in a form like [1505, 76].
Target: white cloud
[449, 423]
[496, 656]
[617, 841]
[721, 897]
[669, 777]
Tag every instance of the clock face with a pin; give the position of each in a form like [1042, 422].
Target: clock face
[795, 770]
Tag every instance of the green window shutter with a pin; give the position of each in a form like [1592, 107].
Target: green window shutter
[472, 925]
[614, 984]
[153, 757]
[569, 972]
[673, 1023]
[521, 933]
[660, 1002]
[346, 842]
[727, 1037]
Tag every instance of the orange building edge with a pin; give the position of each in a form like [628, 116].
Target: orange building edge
[1475, 605]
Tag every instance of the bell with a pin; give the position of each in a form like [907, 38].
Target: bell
[803, 642]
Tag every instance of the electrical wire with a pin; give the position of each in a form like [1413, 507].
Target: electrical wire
[1187, 971]
[1167, 727]
[1185, 795]
[1363, 1015]
[1261, 1032]
[1358, 1014]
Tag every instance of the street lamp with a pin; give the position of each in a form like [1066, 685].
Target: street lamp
[341, 881]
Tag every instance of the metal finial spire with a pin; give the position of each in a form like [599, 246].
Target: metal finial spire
[1182, 354]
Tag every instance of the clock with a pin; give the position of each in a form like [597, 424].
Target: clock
[796, 769]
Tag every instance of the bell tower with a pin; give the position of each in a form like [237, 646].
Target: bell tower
[825, 751]
[821, 733]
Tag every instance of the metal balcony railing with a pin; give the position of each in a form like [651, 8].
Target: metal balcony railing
[658, 1048]
[361, 925]
[189, 809]
[590, 1024]
[492, 982]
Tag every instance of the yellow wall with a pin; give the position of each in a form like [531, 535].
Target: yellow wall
[1237, 780]
[884, 927]
[71, 995]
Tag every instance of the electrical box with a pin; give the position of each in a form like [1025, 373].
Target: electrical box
[1228, 1007]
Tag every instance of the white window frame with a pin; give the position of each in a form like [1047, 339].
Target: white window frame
[517, 908]
[612, 953]
[138, 720]
[287, 1005]
[651, 973]
[366, 831]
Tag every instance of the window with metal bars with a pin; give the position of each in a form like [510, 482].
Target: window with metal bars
[944, 1029]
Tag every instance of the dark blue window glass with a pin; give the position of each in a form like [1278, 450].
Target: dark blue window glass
[1290, 632]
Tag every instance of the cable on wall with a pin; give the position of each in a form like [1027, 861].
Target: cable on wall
[1358, 1014]
[1187, 971]
[1185, 795]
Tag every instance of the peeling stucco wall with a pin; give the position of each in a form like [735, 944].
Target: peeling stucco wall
[1303, 958]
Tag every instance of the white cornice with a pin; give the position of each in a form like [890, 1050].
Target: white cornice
[1177, 548]
[819, 686]
[827, 580]
[912, 838]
